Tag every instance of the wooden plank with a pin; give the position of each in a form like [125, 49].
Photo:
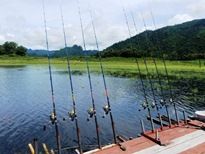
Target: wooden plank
[177, 145]
[157, 121]
[165, 118]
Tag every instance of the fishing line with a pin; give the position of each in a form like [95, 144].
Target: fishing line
[53, 116]
[73, 114]
[92, 110]
[127, 23]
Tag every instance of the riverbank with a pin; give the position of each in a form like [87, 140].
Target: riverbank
[123, 67]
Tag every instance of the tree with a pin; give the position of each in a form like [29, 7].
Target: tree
[77, 48]
[10, 47]
[2, 50]
[21, 51]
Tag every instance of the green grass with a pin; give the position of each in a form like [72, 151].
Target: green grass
[116, 66]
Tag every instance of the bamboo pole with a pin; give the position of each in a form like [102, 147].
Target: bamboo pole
[31, 148]
[45, 149]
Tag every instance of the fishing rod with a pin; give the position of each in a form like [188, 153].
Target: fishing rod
[147, 70]
[72, 114]
[166, 71]
[164, 62]
[106, 108]
[148, 74]
[53, 116]
[146, 103]
[162, 101]
[92, 110]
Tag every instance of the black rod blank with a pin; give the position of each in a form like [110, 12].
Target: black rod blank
[71, 81]
[104, 81]
[53, 116]
[146, 105]
[159, 80]
[166, 71]
[89, 77]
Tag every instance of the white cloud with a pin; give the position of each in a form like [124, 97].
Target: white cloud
[10, 36]
[22, 21]
[197, 8]
[2, 39]
[179, 18]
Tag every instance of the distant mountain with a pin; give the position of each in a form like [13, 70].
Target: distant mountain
[72, 51]
[39, 53]
[183, 41]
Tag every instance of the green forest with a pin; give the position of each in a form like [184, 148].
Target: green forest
[179, 42]
[12, 49]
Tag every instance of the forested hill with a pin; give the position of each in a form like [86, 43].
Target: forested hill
[183, 41]
[75, 50]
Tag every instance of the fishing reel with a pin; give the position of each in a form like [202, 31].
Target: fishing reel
[91, 112]
[162, 102]
[106, 110]
[146, 105]
[52, 121]
[53, 118]
[72, 115]
[153, 104]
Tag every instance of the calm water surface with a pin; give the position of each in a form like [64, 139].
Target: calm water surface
[25, 105]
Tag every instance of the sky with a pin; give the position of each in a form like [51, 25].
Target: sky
[22, 20]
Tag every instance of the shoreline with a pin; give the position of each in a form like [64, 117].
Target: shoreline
[118, 67]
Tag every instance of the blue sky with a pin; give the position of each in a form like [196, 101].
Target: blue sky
[22, 20]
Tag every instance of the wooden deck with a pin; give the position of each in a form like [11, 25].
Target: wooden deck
[183, 139]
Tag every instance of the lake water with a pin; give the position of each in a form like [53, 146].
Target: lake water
[25, 106]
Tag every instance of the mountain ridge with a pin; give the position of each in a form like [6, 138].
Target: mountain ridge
[181, 41]
[75, 50]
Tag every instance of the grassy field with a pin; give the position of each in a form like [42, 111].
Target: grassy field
[117, 66]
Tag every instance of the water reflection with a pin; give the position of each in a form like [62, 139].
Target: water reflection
[25, 104]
